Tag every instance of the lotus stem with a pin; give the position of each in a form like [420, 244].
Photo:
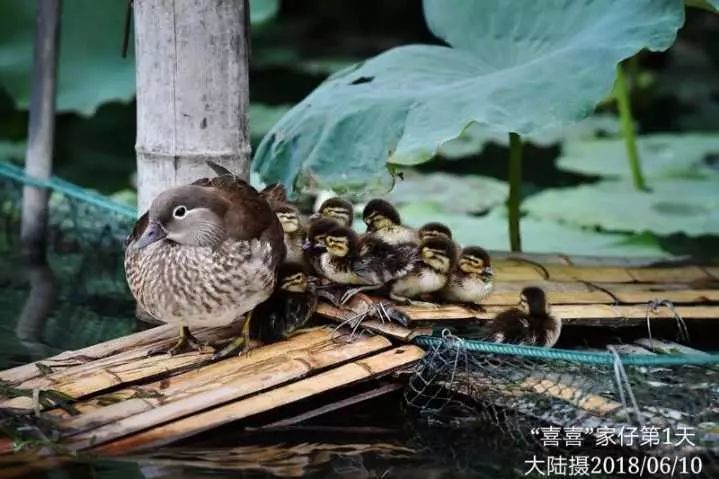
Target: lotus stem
[621, 93]
[515, 190]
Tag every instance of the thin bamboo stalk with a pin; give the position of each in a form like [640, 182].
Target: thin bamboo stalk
[334, 378]
[239, 386]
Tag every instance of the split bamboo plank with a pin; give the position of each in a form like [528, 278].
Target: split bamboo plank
[337, 377]
[611, 274]
[663, 346]
[240, 385]
[165, 389]
[685, 274]
[712, 271]
[68, 359]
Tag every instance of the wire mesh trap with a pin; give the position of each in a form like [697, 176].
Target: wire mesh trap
[546, 399]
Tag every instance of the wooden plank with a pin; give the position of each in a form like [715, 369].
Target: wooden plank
[213, 375]
[78, 357]
[712, 271]
[242, 384]
[596, 274]
[686, 274]
[663, 346]
[334, 378]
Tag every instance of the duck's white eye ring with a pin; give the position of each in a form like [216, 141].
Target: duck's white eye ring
[179, 212]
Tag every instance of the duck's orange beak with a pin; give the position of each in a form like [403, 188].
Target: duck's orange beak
[153, 232]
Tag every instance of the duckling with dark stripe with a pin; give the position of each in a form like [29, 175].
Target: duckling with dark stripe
[437, 258]
[384, 222]
[529, 324]
[336, 209]
[472, 278]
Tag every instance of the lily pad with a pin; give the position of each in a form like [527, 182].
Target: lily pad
[514, 66]
[451, 193]
[538, 235]
[673, 206]
[91, 69]
[662, 156]
[473, 138]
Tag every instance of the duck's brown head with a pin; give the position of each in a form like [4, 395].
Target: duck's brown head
[337, 209]
[438, 253]
[434, 230]
[289, 218]
[293, 278]
[476, 260]
[533, 300]
[341, 241]
[379, 214]
[187, 215]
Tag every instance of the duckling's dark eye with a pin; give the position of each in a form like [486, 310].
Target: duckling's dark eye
[179, 212]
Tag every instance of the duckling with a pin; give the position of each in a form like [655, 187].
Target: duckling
[472, 278]
[384, 222]
[294, 231]
[437, 258]
[433, 230]
[337, 209]
[204, 254]
[289, 308]
[314, 245]
[530, 324]
[345, 258]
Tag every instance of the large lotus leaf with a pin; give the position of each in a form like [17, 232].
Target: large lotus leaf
[662, 156]
[538, 235]
[673, 206]
[473, 138]
[516, 66]
[452, 193]
[91, 70]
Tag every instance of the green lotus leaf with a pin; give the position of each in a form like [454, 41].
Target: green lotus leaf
[662, 155]
[538, 235]
[473, 138]
[262, 11]
[91, 69]
[673, 206]
[513, 66]
[452, 193]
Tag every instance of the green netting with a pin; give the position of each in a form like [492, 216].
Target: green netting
[565, 402]
[81, 298]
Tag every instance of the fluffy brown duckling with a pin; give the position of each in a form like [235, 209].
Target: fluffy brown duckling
[384, 222]
[437, 258]
[336, 209]
[472, 278]
[294, 231]
[529, 324]
[204, 254]
[433, 230]
[347, 259]
[288, 309]
[314, 245]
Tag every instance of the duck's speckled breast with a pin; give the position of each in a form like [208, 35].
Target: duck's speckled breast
[198, 285]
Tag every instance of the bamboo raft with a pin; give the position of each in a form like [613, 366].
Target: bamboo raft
[123, 401]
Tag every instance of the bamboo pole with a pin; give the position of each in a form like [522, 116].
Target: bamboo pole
[334, 378]
[240, 385]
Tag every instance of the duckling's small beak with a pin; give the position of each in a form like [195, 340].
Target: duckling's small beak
[487, 270]
[153, 232]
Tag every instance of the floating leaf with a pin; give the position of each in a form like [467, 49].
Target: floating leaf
[91, 69]
[473, 138]
[538, 235]
[262, 11]
[663, 156]
[451, 193]
[515, 66]
[673, 206]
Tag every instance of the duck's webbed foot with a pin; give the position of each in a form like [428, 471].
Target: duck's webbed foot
[412, 302]
[186, 342]
[239, 345]
[350, 293]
